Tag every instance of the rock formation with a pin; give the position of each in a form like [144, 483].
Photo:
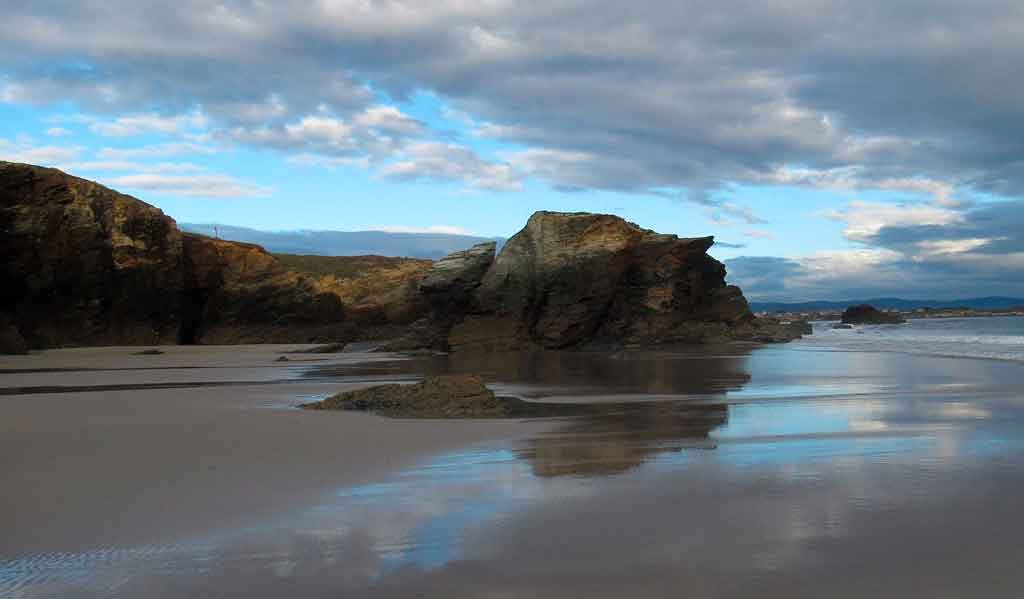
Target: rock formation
[81, 264]
[571, 280]
[85, 265]
[867, 314]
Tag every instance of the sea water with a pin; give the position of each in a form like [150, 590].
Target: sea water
[997, 337]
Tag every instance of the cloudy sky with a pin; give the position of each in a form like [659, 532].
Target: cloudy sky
[835, 149]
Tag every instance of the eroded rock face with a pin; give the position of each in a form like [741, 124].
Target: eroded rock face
[81, 264]
[239, 293]
[450, 283]
[578, 280]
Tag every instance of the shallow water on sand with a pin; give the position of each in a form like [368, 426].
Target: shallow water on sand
[785, 471]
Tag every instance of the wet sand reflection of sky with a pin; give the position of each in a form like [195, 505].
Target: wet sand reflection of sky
[810, 477]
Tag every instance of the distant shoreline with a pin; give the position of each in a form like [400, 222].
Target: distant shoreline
[919, 314]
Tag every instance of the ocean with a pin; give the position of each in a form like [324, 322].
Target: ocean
[997, 337]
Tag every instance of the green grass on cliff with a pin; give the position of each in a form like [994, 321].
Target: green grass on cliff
[342, 267]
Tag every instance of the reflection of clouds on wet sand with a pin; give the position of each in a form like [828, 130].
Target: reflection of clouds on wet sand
[774, 510]
[850, 528]
[906, 486]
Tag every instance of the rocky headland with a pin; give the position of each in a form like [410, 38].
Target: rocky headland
[85, 265]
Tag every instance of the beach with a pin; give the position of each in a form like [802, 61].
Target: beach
[871, 464]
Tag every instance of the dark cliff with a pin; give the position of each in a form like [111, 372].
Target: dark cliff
[81, 264]
[85, 265]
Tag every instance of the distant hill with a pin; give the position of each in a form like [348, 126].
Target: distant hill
[344, 243]
[890, 303]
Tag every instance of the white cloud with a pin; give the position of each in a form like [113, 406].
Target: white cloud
[126, 165]
[389, 119]
[23, 150]
[331, 162]
[58, 132]
[138, 124]
[156, 150]
[864, 220]
[199, 186]
[451, 162]
[951, 246]
[322, 131]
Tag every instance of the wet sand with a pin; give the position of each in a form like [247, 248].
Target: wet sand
[788, 471]
[99, 469]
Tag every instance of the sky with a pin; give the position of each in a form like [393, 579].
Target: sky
[834, 149]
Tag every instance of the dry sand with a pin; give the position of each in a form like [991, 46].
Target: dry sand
[93, 469]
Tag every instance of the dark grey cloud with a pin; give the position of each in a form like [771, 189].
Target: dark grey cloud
[639, 96]
[762, 275]
[997, 228]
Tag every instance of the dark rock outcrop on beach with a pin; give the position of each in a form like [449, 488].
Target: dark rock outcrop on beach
[81, 264]
[867, 314]
[447, 396]
[571, 280]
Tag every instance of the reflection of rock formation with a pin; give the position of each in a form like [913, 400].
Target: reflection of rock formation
[602, 436]
[686, 371]
[616, 438]
[597, 438]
